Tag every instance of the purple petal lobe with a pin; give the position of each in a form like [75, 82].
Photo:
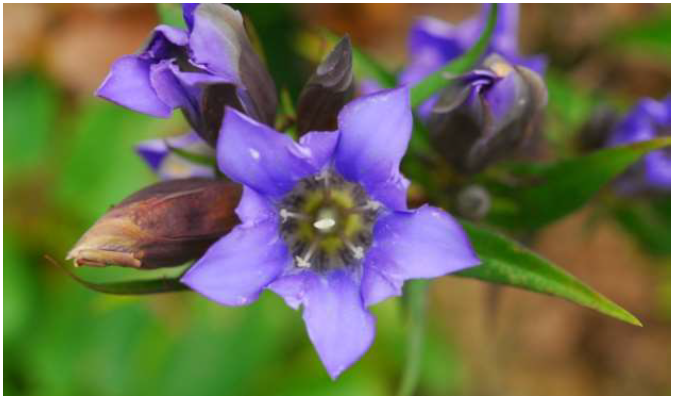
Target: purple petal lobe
[128, 84]
[338, 324]
[254, 208]
[419, 244]
[188, 14]
[238, 267]
[257, 156]
[321, 145]
[375, 131]
[215, 39]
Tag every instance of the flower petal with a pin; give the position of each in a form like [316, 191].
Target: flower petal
[128, 84]
[257, 156]
[238, 267]
[321, 145]
[164, 42]
[188, 14]
[338, 324]
[215, 39]
[420, 244]
[254, 208]
[375, 131]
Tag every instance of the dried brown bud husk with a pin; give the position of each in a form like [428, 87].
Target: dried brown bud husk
[163, 225]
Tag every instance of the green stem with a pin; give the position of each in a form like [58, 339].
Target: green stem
[437, 80]
[416, 296]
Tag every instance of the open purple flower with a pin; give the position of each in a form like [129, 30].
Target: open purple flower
[325, 224]
[647, 120]
[161, 155]
[200, 71]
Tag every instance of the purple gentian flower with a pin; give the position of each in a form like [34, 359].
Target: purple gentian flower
[647, 120]
[325, 224]
[433, 43]
[160, 157]
[200, 71]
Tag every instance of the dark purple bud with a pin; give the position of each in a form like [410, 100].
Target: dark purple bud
[487, 114]
[163, 225]
[327, 91]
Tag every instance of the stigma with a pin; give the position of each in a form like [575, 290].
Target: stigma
[327, 222]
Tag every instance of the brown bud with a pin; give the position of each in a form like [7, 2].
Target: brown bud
[163, 225]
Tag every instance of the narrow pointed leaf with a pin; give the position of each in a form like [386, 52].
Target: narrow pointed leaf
[550, 192]
[506, 262]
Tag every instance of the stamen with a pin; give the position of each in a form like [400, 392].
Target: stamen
[371, 205]
[285, 215]
[358, 251]
[305, 261]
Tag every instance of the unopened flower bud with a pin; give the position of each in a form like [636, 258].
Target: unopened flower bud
[487, 114]
[473, 202]
[163, 225]
[327, 91]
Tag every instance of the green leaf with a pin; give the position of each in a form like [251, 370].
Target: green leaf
[506, 262]
[171, 14]
[437, 80]
[549, 192]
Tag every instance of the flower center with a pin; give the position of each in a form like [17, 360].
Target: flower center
[327, 222]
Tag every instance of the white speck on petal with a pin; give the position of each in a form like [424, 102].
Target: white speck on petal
[254, 153]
